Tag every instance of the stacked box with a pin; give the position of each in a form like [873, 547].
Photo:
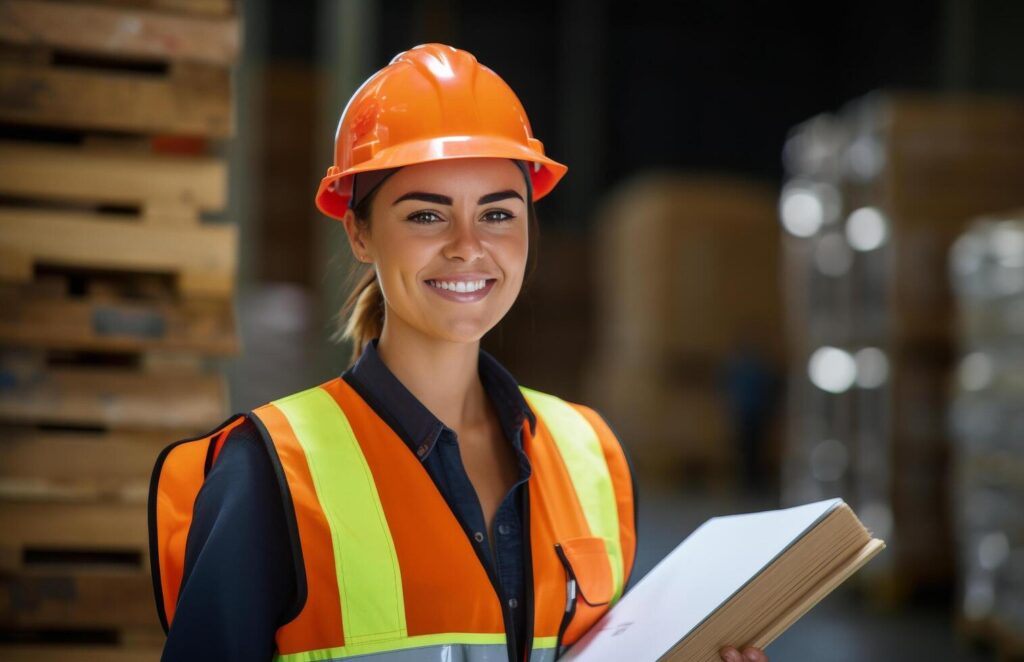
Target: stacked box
[987, 425]
[875, 195]
[685, 274]
[117, 278]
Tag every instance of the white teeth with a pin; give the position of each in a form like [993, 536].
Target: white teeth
[459, 286]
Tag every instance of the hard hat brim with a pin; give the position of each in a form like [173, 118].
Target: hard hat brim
[336, 187]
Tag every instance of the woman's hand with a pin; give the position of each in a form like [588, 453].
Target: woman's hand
[750, 654]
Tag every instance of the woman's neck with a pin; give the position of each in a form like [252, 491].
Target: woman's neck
[443, 375]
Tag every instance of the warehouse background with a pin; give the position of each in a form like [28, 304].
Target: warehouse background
[786, 263]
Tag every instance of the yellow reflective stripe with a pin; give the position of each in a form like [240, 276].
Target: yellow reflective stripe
[580, 448]
[489, 646]
[544, 642]
[366, 565]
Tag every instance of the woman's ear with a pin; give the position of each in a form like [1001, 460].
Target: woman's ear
[357, 237]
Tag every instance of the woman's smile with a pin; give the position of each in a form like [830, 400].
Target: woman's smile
[461, 290]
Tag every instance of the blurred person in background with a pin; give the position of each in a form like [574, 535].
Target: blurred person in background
[751, 384]
[423, 505]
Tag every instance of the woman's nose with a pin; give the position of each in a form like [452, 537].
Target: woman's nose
[464, 241]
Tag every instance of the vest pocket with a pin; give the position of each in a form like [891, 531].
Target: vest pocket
[589, 585]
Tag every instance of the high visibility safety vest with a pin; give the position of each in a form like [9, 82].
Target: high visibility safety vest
[384, 569]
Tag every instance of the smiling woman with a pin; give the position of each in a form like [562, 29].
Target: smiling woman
[439, 235]
[424, 505]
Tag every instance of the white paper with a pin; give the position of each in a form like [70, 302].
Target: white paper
[695, 579]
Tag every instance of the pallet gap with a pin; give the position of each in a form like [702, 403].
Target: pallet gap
[42, 557]
[60, 636]
[65, 59]
[128, 285]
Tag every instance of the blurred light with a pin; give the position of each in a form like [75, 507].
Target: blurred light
[866, 157]
[829, 460]
[832, 369]
[976, 371]
[1007, 281]
[968, 253]
[993, 550]
[872, 367]
[801, 211]
[832, 256]
[831, 201]
[979, 598]
[877, 518]
[1007, 241]
[866, 229]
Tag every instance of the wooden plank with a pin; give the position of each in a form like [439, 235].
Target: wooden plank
[202, 256]
[111, 398]
[127, 32]
[35, 318]
[74, 526]
[78, 597]
[199, 7]
[194, 99]
[112, 176]
[61, 465]
[39, 653]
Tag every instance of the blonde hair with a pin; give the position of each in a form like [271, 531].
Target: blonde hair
[361, 318]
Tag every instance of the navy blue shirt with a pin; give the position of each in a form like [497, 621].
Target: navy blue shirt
[238, 579]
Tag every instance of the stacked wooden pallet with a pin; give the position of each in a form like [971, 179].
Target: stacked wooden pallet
[685, 271]
[117, 274]
[987, 417]
[876, 195]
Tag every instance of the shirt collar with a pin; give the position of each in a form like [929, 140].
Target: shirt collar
[416, 425]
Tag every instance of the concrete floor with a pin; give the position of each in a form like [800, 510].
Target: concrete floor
[840, 628]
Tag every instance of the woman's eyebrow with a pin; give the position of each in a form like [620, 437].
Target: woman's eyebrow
[500, 195]
[439, 199]
[436, 198]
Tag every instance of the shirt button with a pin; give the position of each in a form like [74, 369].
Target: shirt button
[503, 529]
[421, 450]
[512, 602]
[479, 537]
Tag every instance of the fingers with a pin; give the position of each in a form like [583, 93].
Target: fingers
[730, 654]
[750, 654]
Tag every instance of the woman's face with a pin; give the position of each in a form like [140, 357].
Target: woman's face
[449, 241]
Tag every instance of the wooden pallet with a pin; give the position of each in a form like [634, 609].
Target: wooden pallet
[77, 597]
[126, 32]
[166, 188]
[43, 313]
[74, 465]
[190, 99]
[202, 259]
[132, 70]
[194, 7]
[60, 212]
[49, 528]
[29, 653]
[107, 397]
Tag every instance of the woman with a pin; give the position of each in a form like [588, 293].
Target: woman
[422, 505]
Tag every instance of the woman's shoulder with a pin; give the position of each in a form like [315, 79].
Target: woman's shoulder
[242, 469]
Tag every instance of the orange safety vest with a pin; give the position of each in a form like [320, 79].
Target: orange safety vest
[368, 527]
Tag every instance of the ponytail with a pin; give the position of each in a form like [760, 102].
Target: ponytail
[361, 318]
[364, 310]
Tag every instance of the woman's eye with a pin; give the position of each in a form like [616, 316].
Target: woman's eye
[424, 217]
[498, 215]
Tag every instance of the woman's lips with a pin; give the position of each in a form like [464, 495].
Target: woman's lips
[462, 297]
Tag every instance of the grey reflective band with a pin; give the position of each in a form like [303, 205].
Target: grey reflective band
[441, 653]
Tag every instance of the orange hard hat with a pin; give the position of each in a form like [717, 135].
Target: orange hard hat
[431, 102]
